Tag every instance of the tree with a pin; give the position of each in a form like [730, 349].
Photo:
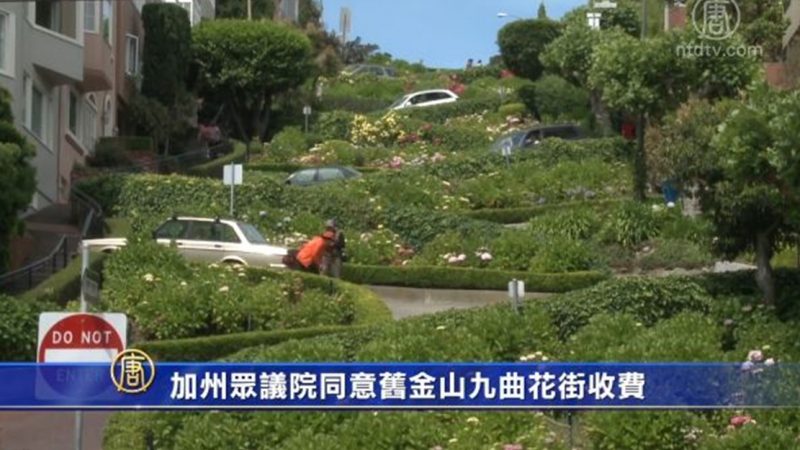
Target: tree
[249, 63]
[167, 51]
[356, 52]
[754, 195]
[522, 41]
[18, 182]
[542, 13]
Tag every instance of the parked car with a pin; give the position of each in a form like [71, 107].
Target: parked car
[532, 137]
[370, 69]
[208, 240]
[425, 98]
[317, 175]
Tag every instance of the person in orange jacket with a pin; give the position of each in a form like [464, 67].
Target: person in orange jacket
[310, 256]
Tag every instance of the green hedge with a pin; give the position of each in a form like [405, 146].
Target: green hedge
[369, 308]
[440, 113]
[524, 214]
[64, 285]
[213, 168]
[473, 279]
[210, 348]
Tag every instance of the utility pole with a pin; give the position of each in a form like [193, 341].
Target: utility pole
[249, 9]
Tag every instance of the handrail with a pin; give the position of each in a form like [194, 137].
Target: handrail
[61, 250]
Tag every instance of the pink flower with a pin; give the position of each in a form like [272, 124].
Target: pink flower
[738, 421]
[396, 163]
[513, 447]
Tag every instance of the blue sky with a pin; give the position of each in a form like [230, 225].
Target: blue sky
[441, 33]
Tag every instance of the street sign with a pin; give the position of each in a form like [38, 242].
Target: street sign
[306, 110]
[232, 174]
[81, 337]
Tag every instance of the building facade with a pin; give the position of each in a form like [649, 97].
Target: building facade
[68, 65]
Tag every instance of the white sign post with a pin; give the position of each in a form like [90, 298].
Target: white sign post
[516, 292]
[507, 152]
[307, 114]
[231, 176]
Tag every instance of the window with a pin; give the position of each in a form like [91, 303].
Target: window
[562, 132]
[107, 12]
[89, 122]
[225, 233]
[132, 57]
[90, 16]
[174, 229]
[201, 231]
[304, 176]
[37, 112]
[73, 113]
[330, 173]
[48, 14]
[252, 235]
[4, 40]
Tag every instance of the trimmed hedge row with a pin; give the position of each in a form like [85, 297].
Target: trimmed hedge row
[369, 308]
[209, 348]
[64, 285]
[524, 214]
[471, 279]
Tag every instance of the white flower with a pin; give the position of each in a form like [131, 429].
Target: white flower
[453, 260]
[545, 358]
[765, 347]
[747, 366]
[486, 256]
[224, 289]
[473, 420]
[755, 356]
[462, 257]
[148, 277]
[183, 283]
[523, 358]
[769, 362]
[671, 205]
[440, 328]
[452, 441]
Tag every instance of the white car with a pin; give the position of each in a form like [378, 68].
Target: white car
[208, 240]
[425, 98]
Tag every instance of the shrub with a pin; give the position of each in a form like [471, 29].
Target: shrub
[630, 224]
[514, 250]
[580, 222]
[556, 100]
[167, 51]
[374, 248]
[18, 328]
[418, 226]
[648, 300]
[287, 144]
[335, 125]
[458, 137]
[109, 153]
[674, 253]
[512, 109]
[643, 430]
[105, 190]
[561, 255]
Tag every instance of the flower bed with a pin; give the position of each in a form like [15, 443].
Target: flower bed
[197, 300]
[621, 320]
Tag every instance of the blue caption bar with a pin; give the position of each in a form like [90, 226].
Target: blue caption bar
[396, 386]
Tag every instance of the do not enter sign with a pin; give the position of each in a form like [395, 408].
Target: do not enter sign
[70, 337]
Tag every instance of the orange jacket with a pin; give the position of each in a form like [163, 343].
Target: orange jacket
[312, 252]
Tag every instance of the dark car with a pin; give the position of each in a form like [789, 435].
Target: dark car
[532, 137]
[317, 175]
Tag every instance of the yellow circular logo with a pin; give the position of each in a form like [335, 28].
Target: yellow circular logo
[133, 371]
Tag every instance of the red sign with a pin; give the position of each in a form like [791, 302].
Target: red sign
[80, 337]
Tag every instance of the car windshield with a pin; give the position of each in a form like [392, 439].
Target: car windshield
[514, 139]
[251, 234]
[399, 101]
